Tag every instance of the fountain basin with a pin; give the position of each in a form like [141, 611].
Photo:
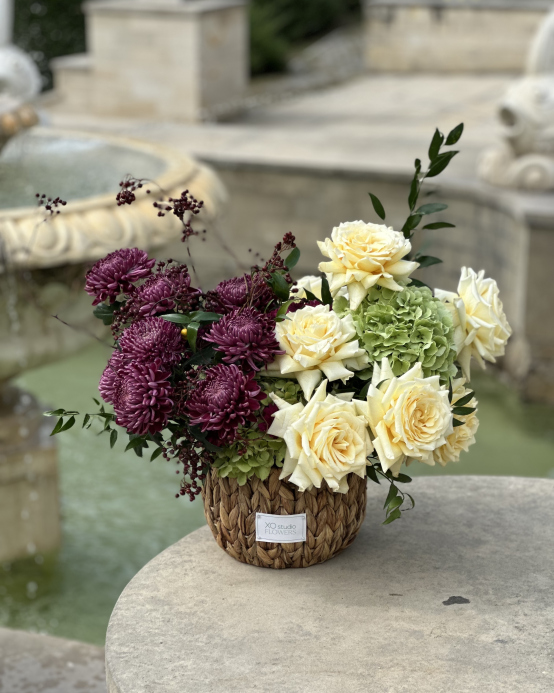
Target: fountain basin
[47, 255]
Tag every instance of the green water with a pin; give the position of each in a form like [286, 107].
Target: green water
[119, 511]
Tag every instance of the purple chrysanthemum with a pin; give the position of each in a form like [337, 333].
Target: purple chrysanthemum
[116, 273]
[245, 335]
[223, 401]
[111, 376]
[239, 292]
[165, 291]
[151, 338]
[142, 397]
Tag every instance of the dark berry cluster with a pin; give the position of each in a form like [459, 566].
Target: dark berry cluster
[126, 196]
[50, 204]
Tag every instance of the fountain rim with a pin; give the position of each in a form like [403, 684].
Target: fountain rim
[179, 166]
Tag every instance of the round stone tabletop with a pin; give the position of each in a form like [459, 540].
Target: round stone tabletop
[457, 596]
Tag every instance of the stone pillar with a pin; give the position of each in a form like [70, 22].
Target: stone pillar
[29, 509]
[175, 60]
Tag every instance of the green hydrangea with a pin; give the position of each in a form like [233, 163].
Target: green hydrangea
[254, 456]
[285, 388]
[405, 326]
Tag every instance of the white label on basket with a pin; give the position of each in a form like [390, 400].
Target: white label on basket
[281, 529]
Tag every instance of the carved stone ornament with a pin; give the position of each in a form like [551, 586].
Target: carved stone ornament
[525, 159]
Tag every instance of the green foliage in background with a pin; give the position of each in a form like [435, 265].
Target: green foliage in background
[277, 25]
[47, 29]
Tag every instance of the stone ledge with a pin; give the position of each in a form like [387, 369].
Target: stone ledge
[501, 5]
[191, 7]
[383, 616]
[40, 663]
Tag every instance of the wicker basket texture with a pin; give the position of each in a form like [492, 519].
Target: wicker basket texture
[332, 519]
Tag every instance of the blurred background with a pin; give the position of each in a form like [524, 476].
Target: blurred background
[281, 115]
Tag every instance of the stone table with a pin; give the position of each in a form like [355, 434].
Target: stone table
[455, 597]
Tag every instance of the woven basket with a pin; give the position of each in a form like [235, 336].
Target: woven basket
[332, 519]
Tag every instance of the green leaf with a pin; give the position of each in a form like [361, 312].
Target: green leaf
[310, 296]
[96, 401]
[414, 187]
[372, 474]
[427, 260]
[440, 163]
[454, 135]
[403, 479]
[138, 451]
[197, 433]
[395, 503]
[393, 492]
[201, 316]
[177, 318]
[86, 420]
[440, 225]
[436, 144]
[457, 422]
[54, 412]
[377, 206]
[280, 286]
[410, 497]
[464, 400]
[113, 438]
[201, 357]
[292, 259]
[450, 394]
[135, 443]
[417, 282]
[283, 310]
[463, 411]
[431, 208]
[325, 292]
[411, 222]
[395, 515]
[363, 391]
[68, 424]
[157, 452]
[105, 313]
[192, 333]
[58, 427]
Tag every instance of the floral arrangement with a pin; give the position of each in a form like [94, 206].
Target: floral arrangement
[361, 370]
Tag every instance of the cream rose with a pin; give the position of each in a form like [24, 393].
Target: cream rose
[326, 439]
[409, 416]
[462, 436]
[481, 327]
[311, 283]
[316, 341]
[363, 255]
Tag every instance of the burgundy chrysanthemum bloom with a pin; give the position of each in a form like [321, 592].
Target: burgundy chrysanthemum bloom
[151, 338]
[142, 397]
[116, 273]
[165, 291]
[223, 401]
[245, 335]
[237, 293]
[111, 376]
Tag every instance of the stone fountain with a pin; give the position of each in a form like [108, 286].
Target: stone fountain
[43, 260]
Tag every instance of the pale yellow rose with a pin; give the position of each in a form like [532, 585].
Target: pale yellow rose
[364, 255]
[481, 328]
[326, 439]
[462, 436]
[409, 416]
[316, 342]
[311, 283]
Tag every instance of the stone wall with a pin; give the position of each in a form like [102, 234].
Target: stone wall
[458, 36]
